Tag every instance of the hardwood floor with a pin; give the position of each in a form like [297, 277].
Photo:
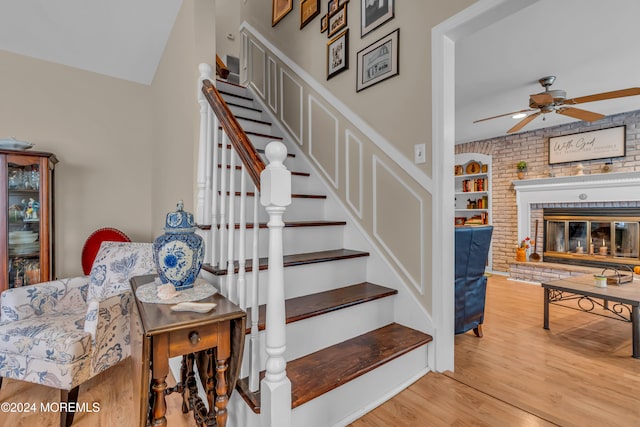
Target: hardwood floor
[579, 373]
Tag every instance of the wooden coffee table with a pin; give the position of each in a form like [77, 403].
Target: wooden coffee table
[214, 339]
[619, 302]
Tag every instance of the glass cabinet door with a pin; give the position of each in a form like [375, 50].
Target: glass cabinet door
[24, 240]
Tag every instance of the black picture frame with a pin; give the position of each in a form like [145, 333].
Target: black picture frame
[374, 13]
[379, 61]
[338, 54]
[324, 23]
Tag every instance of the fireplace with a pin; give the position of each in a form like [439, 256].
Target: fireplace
[579, 211]
[592, 236]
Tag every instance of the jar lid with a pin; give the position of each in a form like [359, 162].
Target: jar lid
[179, 221]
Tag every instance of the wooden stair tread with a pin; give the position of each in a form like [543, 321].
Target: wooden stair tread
[295, 259]
[308, 306]
[230, 83]
[320, 372]
[259, 150]
[293, 173]
[245, 107]
[293, 195]
[293, 224]
[226, 93]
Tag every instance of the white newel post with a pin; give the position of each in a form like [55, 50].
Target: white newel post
[275, 390]
[203, 216]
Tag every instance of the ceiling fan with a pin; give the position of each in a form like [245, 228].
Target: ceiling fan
[556, 100]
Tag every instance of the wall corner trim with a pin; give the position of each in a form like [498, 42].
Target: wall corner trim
[381, 142]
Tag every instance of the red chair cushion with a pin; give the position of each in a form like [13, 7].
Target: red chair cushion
[92, 245]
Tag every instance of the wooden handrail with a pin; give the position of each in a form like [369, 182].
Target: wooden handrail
[238, 138]
[221, 68]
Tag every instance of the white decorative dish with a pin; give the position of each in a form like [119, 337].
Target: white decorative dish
[198, 307]
[14, 144]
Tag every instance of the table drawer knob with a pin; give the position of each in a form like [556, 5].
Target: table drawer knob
[194, 337]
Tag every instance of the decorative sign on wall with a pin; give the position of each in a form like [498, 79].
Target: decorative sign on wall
[597, 144]
[338, 54]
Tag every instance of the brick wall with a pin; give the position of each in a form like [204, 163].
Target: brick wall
[533, 148]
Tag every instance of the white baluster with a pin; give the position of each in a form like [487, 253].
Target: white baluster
[242, 256]
[275, 391]
[222, 214]
[254, 367]
[231, 288]
[214, 186]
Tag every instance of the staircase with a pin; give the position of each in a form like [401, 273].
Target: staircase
[345, 353]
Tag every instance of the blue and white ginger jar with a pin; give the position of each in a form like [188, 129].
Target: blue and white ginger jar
[179, 252]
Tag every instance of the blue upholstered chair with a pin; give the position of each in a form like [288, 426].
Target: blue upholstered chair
[64, 332]
[472, 250]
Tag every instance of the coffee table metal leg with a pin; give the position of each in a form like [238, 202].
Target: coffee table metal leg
[546, 308]
[635, 330]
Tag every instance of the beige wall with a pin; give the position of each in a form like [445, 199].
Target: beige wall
[228, 23]
[176, 110]
[99, 128]
[393, 208]
[126, 150]
[399, 108]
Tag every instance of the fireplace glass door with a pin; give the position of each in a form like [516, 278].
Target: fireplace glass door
[601, 237]
[578, 237]
[626, 239]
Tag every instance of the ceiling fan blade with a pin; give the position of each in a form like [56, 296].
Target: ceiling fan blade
[542, 98]
[503, 115]
[632, 91]
[522, 123]
[576, 113]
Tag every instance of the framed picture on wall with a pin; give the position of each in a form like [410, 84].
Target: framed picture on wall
[324, 23]
[279, 9]
[309, 9]
[378, 61]
[337, 21]
[375, 13]
[338, 54]
[333, 7]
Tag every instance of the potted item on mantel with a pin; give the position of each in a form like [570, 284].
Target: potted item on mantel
[522, 168]
[521, 250]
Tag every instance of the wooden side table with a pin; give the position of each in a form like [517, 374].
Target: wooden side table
[215, 339]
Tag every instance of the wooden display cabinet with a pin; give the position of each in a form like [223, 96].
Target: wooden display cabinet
[26, 227]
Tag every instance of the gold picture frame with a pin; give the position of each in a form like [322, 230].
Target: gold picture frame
[309, 9]
[279, 9]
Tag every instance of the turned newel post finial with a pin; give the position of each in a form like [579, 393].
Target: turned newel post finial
[275, 180]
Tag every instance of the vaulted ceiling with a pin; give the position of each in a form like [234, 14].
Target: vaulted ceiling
[589, 45]
[119, 38]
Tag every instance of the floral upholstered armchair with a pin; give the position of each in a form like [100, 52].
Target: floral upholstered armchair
[64, 332]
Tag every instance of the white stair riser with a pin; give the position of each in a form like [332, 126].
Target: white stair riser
[235, 89]
[300, 184]
[301, 209]
[239, 100]
[306, 279]
[245, 112]
[295, 240]
[348, 402]
[313, 334]
[251, 126]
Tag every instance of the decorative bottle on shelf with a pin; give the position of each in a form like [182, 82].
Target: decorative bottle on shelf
[179, 252]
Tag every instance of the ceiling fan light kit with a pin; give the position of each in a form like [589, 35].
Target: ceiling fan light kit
[556, 101]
